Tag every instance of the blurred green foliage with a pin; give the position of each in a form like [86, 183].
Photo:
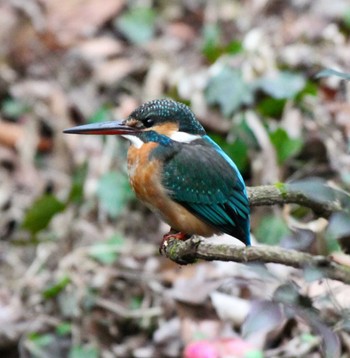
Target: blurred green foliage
[346, 19]
[282, 85]
[137, 24]
[102, 114]
[38, 342]
[285, 146]
[271, 230]
[271, 107]
[56, 288]
[76, 193]
[84, 352]
[330, 72]
[338, 229]
[107, 252]
[64, 328]
[212, 45]
[41, 212]
[13, 108]
[114, 192]
[228, 90]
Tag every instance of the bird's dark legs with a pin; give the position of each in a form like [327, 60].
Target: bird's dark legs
[172, 234]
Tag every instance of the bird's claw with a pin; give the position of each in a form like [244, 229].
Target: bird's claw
[172, 235]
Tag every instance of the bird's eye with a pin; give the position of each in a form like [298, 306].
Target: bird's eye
[148, 122]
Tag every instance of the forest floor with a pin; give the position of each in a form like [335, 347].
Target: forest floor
[81, 275]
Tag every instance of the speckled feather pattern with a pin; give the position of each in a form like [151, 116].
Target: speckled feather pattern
[166, 110]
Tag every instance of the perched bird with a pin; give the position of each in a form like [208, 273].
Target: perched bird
[179, 172]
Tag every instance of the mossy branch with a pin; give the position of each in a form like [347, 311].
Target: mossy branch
[292, 194]
[184, 252]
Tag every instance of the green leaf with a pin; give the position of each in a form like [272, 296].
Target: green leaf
[103, 114]
[64, 329]
[138, 24]
[310, 89]
[287, 293]
[113, 192]
[13, 108]
[41, 340]
[234, 47]
[56, 288]
[213, 48]
[84, 352]
[312, 273]
[318, 190]
[107, 252]
[338, 232]
[228, 89]
[254, 353]
[308, 338]
[136, 302]
[40, 214]
[211, 42]
[285, 146]
[77, 189]
[282, 85]
[329, 72]
[271, 107]
[339, 225]
[271, 230]
[346, 18]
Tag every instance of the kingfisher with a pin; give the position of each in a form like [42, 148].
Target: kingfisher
[179, 172]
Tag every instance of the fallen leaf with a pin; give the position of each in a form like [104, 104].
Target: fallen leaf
[98, 48]
[110, 72]
[230, 308]
[264, 316]
[340, 258]
[71, 20]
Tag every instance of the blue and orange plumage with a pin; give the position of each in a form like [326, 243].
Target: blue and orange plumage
[179, 172]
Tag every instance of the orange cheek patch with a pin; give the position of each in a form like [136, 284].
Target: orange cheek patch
[165, 128]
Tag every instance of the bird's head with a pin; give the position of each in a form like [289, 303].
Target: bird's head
[163, 117]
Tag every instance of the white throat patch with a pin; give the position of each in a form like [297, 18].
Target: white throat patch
[183, 137]
[136, 141]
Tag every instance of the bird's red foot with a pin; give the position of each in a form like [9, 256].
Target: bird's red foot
[172, 234]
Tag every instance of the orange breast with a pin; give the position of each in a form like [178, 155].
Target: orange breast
[144, 174]
[145, 179]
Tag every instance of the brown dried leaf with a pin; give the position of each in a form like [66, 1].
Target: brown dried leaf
[113, 71]
[230, 308]
[71, 20]
[98, 48]
[340, 258]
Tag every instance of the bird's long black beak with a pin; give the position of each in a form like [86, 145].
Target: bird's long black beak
[104, 128]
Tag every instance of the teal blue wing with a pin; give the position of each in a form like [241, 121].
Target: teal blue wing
[203, 179]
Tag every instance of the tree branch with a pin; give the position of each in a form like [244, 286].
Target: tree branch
[292, 194]
[321, 198]
[185, 252]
